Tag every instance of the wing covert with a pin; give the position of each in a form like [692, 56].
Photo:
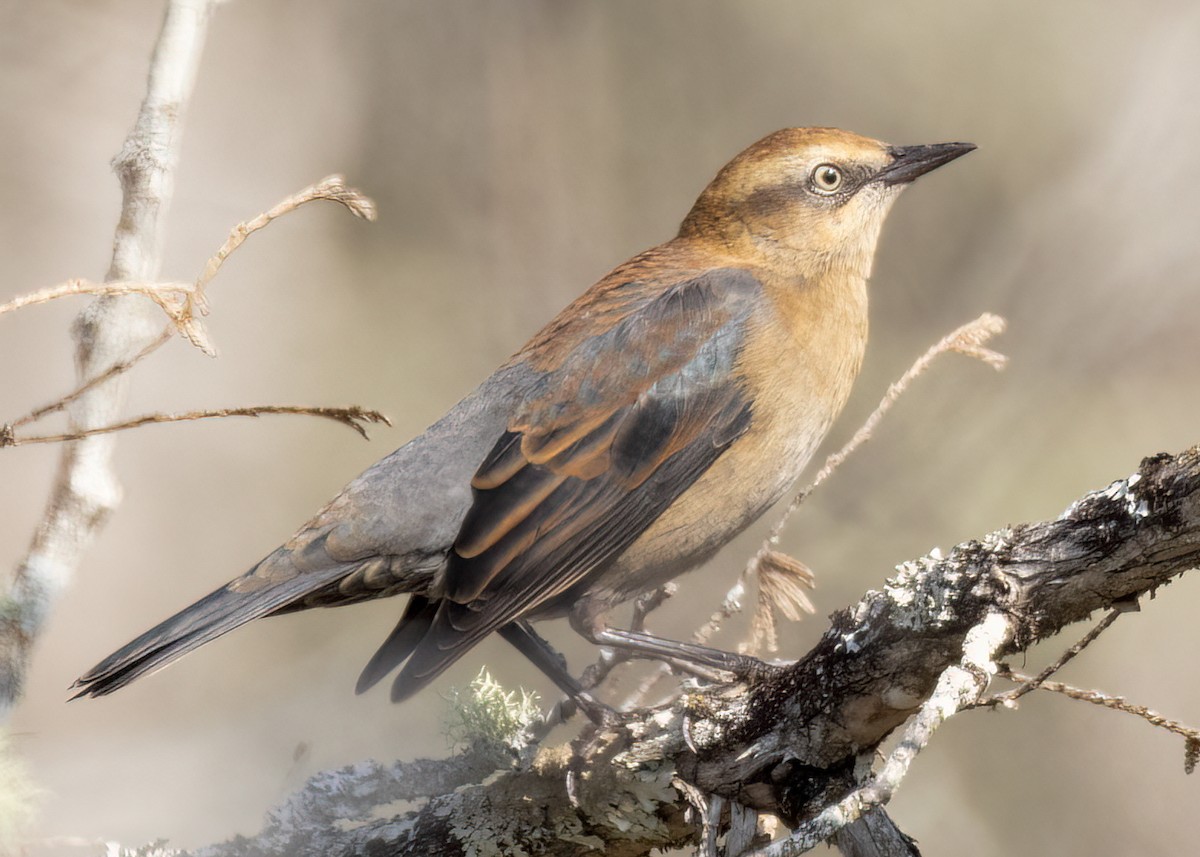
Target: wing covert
[603, 443]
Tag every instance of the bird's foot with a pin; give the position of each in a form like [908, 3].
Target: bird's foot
[603, 717]
[751, 670]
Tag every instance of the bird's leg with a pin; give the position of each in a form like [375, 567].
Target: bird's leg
[744, 667]
[531, 644]
[589, 622]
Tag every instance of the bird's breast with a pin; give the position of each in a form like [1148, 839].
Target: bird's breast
[802, 353]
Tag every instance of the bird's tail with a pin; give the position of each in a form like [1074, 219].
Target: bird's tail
[418, 617]
[276, 582]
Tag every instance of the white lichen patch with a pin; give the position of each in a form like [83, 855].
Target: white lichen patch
[850, 643]
[997, 540]
[923, 592]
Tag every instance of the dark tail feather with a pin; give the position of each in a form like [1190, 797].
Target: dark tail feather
[417, 619]
[452, 631]
[231, 606]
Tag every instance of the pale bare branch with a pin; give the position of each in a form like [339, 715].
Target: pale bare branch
[111, 330]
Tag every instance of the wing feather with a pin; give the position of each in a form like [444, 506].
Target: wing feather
[602, 445]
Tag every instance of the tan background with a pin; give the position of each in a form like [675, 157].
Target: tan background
[517, 151]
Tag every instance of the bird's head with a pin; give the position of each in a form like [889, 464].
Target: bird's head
[811, 199]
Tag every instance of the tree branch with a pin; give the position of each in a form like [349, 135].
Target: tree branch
[800, 744]
[110, 331]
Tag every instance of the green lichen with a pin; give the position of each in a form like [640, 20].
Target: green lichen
[485, 711]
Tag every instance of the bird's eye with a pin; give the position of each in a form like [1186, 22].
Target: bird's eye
[826, 179]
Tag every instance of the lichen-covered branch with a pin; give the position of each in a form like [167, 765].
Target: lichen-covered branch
[800, 743]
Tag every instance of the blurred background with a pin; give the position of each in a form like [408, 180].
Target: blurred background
[517, 151]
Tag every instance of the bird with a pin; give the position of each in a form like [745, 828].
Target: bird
[644, 427]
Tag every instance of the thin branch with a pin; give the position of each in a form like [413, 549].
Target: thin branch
[112, 371]
[191, 298]
[1116, 703]
[332, 188]
[164, 294]
[968, 340]
[1011, 696]
[352, 416]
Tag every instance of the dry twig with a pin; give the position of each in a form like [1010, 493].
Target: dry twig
[352, 416]
[118, 368]
[169, 296]
[969, 339]
[332, 188]
[181, 302]
[1008, 698]
[783, 579]
[1116, 703]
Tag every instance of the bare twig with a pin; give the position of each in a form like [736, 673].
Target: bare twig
[352, 416]
[968, 339]
[1116, 703]
[169, 296]
[183, 301]
[1011, 696]
[112, 371]
[332, 188]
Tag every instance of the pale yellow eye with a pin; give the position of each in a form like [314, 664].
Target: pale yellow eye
[826, 179]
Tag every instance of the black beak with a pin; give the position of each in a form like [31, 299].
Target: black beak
[910, 162]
